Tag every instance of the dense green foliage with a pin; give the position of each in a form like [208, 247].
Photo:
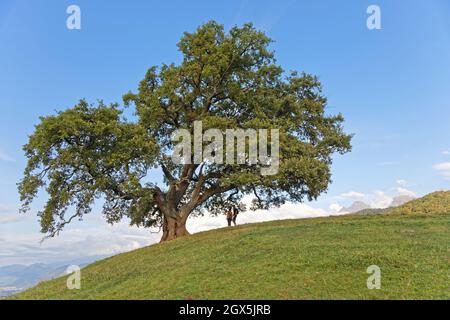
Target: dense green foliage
[323, 258]
[84, 153]
[228, 80]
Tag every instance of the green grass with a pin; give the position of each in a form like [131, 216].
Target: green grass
[323, 258]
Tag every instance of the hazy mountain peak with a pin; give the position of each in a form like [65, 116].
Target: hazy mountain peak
[401, 200]
[355, 207]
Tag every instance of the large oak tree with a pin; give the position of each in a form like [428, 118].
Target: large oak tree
[226, 80]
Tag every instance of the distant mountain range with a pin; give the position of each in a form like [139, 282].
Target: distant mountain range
[401, 200]
[17, 277]
[358, 206]
[355, 207]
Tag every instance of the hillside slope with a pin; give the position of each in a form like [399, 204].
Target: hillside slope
[322, 258]
[434, 203]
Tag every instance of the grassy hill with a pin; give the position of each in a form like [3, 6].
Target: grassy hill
[321, 258]
[372, 211]
[434, 203]
[437, 202]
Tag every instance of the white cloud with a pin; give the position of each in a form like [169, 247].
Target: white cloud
[335, 207]
[4, 209]
[286, 211]
[402, 183]
[402, 188]
[102, 240]
[5, 157]
[10, 218]
[387, 163]
[9, 214]
[353, 195]
[405, 192]
[444, 169]
[446, 152]
[380, 200]
[445, 166]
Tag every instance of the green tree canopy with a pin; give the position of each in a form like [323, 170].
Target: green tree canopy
[226, 80]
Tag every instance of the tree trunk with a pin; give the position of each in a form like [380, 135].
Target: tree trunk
[174, 228]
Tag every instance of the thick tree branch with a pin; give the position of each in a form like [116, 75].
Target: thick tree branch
[168, 175]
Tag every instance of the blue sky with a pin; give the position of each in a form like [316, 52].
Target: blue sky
[392, 85]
